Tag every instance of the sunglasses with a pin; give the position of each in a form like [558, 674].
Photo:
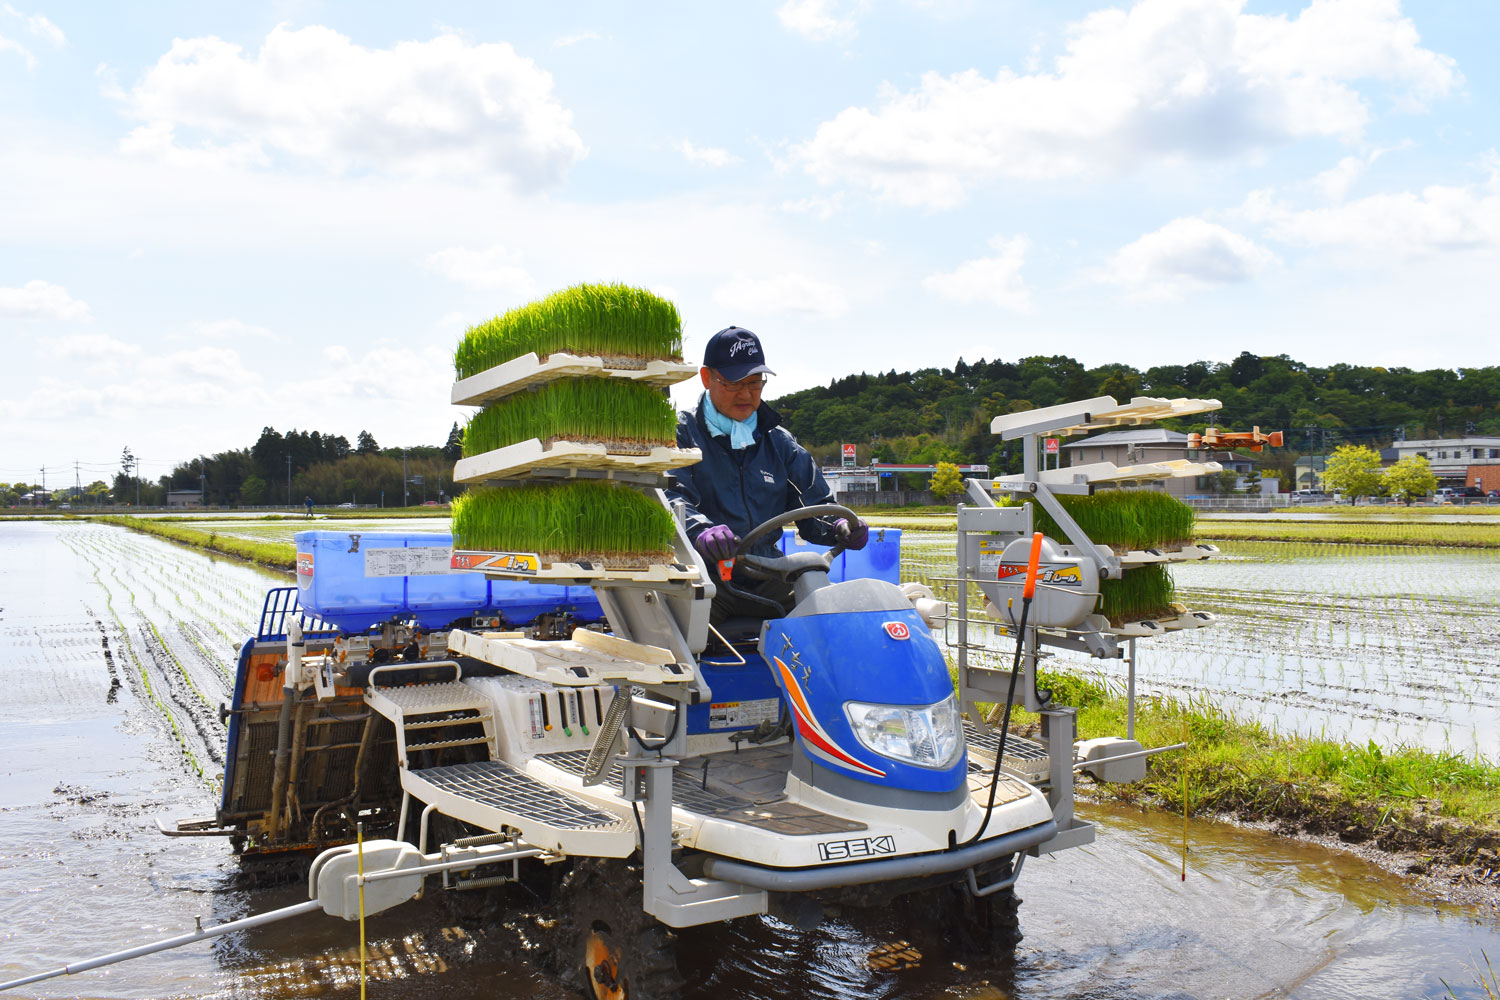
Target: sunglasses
[755, 383]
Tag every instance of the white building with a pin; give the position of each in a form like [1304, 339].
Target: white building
[1450, 458]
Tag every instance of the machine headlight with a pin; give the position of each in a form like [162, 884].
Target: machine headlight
[927, 737]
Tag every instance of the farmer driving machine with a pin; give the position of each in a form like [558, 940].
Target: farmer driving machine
[544, 700]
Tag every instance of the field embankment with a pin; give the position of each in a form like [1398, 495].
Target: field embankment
[273, 555]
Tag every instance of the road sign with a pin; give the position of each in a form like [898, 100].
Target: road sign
[849, 455]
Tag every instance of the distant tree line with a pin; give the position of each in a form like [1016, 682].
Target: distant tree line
[287, 468]
[926, 416]
[943, 414]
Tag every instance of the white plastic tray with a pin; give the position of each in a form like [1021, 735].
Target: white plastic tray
[586, 660]
[527, 566]
[519, 459]
[518, 373]
[1108, 472]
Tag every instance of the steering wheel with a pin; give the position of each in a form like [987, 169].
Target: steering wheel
[800, 514]
[782, 567]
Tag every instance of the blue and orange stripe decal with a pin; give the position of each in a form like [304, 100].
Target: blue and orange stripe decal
[812, 731]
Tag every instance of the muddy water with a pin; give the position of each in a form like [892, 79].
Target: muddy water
[91, 615]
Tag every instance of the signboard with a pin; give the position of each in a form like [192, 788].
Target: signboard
[1051, 445]
[849, 456]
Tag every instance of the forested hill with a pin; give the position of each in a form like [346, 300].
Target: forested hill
[944, 413]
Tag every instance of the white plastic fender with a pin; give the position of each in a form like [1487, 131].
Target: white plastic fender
[334, 879]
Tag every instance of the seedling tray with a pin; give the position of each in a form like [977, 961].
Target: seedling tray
[527, 370]
[526, 457]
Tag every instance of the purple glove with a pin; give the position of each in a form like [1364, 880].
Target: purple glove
[716, 542]
[853, 536]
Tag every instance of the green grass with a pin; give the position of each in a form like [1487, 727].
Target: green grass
[594, 521]
[611, 320]
[626, 415]
[1468, 536]
[1244, 769]
[276, 555]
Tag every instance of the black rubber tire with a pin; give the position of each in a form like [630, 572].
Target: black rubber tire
[600, 898]
[970, 929]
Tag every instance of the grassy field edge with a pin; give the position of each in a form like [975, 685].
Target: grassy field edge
[272, 555]
[1443, 807]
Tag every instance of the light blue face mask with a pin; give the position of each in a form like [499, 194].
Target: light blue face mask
[741, 433]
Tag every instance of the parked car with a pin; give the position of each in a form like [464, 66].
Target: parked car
[1448, 494]
[1493, 494]
[1310, 496]
[346, 506]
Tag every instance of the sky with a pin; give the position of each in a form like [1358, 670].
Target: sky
[216, 218]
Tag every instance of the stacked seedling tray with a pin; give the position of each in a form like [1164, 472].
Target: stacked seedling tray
[576, 434]
[1141, 531]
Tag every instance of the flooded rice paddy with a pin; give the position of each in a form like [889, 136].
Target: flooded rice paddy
[115, 649]
[1396, 644]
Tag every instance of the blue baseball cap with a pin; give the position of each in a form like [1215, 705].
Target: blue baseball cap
[735, 353]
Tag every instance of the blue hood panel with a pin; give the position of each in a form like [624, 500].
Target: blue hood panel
[881, 657]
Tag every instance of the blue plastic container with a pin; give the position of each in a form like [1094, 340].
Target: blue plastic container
[357, 579]
[880, 559]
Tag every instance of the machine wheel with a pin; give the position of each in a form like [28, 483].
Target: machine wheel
[607, 947]
[970, 928]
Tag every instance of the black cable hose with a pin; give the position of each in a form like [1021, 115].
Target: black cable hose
[1010, 697]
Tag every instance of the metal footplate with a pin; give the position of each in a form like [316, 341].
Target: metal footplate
[495, 796]
[416, 708]
[1024, 758]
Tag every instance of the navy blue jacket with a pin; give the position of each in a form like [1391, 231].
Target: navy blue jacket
[747, 487]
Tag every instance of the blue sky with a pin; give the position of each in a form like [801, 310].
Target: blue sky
[215, 218]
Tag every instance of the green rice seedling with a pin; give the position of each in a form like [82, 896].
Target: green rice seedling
[1122, 519]
[598, 522]
[624, 416]
[630, 325]
[1125, 520]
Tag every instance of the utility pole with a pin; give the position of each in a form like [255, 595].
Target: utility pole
[288, 479]
[202, 481]
[405, 493]
[44, 486]
[138, 482]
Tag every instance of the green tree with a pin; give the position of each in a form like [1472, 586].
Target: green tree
[253, 490]
[947, 480]
[1410, 479]
[1354, 470]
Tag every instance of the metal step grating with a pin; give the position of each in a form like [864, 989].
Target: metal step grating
[576, 762]
[428, 699]
[497, 785]
[1024, 757]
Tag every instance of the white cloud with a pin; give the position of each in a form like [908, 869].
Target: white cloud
[783, 293]
[39, 26]
[707, 156]
[441, 107]
[818, 20]
[1437, 219]
[41, 300]
[496, 267]
[11, 45]
[821, 209]
[1183, 256]
[567, 40]
[1166, 79]
[994, 279]
[1335, 182]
